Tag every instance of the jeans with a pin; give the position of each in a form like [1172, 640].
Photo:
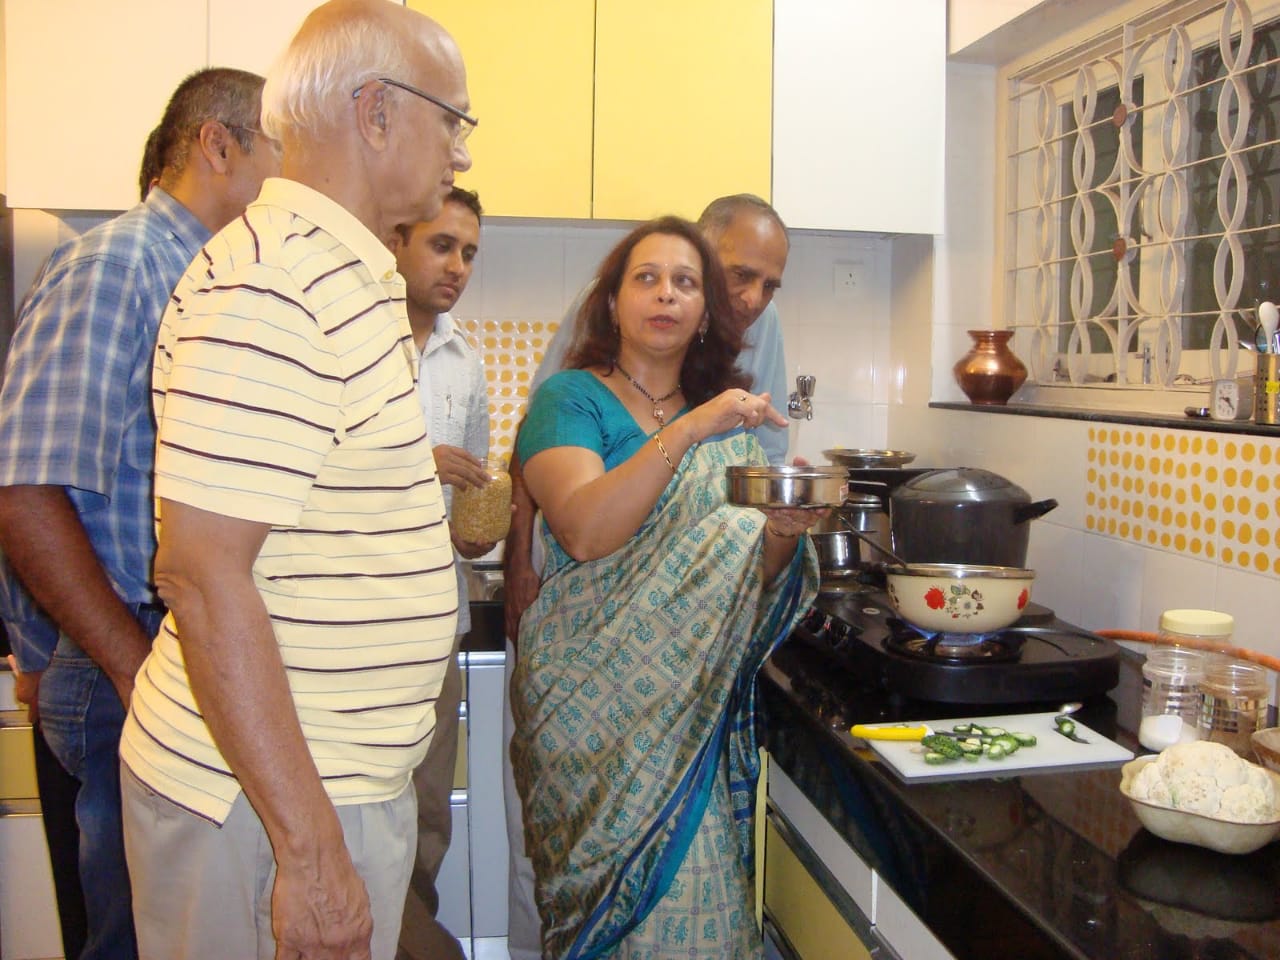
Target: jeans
[81, 717]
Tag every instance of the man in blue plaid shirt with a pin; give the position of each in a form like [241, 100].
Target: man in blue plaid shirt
[76, 453]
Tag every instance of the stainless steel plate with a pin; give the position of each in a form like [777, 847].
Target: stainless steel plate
[861, 459]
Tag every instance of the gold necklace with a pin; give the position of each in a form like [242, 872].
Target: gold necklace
[658, 413]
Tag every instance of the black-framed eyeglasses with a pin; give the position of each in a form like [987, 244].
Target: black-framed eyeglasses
[467, 124]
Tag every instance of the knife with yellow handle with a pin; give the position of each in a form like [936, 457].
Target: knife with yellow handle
[900, 732]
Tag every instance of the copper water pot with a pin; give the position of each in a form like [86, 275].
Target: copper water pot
[990, 373]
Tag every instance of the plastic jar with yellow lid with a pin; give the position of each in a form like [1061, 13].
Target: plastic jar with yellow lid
[1197, 626]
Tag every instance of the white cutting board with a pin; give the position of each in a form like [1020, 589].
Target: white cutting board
[1052, 752]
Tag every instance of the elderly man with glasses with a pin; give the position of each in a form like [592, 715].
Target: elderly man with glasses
[303, 548]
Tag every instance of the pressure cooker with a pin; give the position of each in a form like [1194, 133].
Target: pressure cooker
[963, 515]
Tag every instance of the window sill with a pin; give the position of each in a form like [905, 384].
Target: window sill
[1246, 427]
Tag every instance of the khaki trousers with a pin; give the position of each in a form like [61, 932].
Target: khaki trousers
[203, 892]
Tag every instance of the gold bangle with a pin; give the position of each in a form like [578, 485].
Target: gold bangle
[770, 528]
[663, 450]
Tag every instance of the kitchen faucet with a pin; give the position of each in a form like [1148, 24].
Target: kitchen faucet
[800, 406]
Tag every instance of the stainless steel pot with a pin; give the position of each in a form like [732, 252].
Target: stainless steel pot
[786, 486]
[840, 552]
[963, 515]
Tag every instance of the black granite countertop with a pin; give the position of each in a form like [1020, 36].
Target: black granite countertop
[1049, 865]
[1117, 416]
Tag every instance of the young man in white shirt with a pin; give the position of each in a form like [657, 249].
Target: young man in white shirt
[435, 257]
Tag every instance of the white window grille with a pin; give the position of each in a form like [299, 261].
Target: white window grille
[1142, 196]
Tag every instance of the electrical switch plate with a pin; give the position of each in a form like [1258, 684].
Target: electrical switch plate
[848, 277]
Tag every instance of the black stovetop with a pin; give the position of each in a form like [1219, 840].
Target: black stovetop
[1038, 660]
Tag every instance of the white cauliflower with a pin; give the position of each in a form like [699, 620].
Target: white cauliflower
[1207, 778]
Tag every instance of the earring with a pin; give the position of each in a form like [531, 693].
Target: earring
[702, 333]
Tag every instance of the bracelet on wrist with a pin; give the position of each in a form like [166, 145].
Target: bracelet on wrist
[770, 528]
[657, 438]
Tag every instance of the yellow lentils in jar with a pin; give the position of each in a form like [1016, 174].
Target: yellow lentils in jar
[483, 514]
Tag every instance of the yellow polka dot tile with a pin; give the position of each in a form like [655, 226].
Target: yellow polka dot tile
[1200, 496]
[510, 351]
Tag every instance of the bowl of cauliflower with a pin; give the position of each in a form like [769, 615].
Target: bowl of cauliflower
[1202, 793]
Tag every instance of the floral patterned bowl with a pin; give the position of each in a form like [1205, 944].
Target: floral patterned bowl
[957, 597]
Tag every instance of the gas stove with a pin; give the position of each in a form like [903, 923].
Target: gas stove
[1039, 659]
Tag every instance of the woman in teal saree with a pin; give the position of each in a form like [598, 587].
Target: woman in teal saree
[635, 746]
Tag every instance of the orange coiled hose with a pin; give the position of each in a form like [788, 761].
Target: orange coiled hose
[1239, 653]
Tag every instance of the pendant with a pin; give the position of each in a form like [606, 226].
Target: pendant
[660, 416]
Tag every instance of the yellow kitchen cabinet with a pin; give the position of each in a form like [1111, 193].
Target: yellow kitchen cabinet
[799, 909]
[529, 73]
[682, 104]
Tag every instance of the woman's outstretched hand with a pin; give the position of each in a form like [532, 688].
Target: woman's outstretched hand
[736, 408]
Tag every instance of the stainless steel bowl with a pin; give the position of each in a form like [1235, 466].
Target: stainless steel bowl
[786, 486]
[862, 459]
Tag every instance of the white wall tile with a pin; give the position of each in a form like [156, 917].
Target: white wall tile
[1254, 601]
[523, 273]
[1056, 554]
[584, 248]
[1171, 581]
[1111, 591]
[834, 424]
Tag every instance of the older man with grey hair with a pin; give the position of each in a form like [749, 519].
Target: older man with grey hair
[303, 548]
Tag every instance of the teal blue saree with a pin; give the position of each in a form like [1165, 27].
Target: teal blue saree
[634, 701]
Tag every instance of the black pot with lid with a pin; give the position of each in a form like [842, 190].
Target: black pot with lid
[963, 515]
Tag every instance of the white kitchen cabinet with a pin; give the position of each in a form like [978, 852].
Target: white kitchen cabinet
[488, 841]
[902, 929]
[858, 115]
[85, 82]
[453, 882]
[28, 910]
[250, 34]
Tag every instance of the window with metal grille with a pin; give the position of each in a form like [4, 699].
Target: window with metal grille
[1142, 196]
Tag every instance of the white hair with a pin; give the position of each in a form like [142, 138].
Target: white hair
[314, 78]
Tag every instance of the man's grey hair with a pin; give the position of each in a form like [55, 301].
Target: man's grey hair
[314, 79]
[722, 211]
[232, 97]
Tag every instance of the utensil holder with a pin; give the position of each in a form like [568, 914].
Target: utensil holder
[1266, 389]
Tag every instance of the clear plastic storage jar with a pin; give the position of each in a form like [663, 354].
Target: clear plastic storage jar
[1171, 698]
[1233, 704]
[483, 514]
[1193, 626]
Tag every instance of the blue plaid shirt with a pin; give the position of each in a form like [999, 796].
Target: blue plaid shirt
[75, 406]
